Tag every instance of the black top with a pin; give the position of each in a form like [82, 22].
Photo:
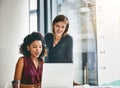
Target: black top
[62, 52]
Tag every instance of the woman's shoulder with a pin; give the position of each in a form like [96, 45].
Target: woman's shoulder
[49, 35]
[22, 59]
[67, 36]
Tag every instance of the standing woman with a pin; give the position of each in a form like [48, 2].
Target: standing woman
[59, 43]
[29, 67]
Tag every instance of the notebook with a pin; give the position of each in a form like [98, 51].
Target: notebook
[57, 75]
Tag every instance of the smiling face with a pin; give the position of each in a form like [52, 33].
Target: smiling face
[59, 28]
[35, 48]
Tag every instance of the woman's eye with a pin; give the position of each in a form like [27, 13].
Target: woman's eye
[40, 47]
[57, 26]
[63, 27]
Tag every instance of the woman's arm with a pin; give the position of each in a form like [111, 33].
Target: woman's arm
[18, 69]
[69, 50]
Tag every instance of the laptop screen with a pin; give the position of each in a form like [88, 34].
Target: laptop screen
[57, 75]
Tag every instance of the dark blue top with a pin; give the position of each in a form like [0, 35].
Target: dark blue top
[62, 52]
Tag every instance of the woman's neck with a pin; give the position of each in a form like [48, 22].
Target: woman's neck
[34, 59]
[57, 37]
[56, 40]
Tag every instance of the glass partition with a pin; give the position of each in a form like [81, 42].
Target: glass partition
[81, 14]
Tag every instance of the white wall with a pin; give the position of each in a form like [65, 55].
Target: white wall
[108, 40]
[14, 25]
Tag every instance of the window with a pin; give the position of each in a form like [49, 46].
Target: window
[33, 15]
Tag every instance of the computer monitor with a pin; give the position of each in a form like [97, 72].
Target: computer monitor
[57, 75]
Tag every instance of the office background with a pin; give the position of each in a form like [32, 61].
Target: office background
[95, 30]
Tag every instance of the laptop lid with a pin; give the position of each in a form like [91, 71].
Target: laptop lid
[57, 75]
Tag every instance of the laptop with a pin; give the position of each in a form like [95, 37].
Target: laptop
[57, 75]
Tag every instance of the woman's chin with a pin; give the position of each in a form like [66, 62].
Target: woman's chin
[59, 35]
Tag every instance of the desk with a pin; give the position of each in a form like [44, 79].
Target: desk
[96, 86]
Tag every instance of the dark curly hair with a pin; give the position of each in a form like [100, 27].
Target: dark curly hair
[28, 40]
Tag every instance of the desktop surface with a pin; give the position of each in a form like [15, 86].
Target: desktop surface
[83, 86]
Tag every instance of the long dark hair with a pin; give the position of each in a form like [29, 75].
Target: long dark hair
[61, 18]
[28, 40]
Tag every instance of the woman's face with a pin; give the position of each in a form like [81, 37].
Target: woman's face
[59, 28]
[35, 48]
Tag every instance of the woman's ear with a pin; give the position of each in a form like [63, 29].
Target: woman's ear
[28, 48]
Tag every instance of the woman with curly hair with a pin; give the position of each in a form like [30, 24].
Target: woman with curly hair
[29, 67]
